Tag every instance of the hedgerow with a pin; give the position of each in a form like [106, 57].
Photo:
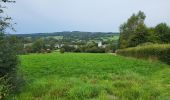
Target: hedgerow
[155, 51]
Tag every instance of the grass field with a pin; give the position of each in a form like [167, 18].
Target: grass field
[115, 37]
[56, 37]
[80, 76]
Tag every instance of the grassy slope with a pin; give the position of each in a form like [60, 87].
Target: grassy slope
[92, 76]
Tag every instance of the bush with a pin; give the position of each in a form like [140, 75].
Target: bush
[62, 50]
[38, 46]
[95, 50]
[68, 48]
[145, 44]
[4, 87]
[158, 51]
[77, 50]
[8, 59]
[111, 48]
[10, 80]
[85, 48]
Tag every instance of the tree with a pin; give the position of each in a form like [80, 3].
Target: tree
[68, 48]
[62, 50]
[39, 46]
[8, 57]
[152, 37]
[17, 44]
[111, 48]
[140, 36]
[91, 44]
[131, 30]
[51, 43]
[162, 31]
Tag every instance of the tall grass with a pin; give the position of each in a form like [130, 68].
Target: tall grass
[83, 76]
[155, 51]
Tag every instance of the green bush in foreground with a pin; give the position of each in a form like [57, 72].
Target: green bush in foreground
[155, 51]
[4, 87]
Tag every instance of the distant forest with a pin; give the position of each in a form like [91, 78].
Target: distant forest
[71, 35]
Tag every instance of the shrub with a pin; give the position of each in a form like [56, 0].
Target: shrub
[38, 46]
[77, 50]
[68, 48]
[95, 50]
[145, 44]
[10, 81]
[158, 51]
[62, 50]
[111, 48]
[4, 87]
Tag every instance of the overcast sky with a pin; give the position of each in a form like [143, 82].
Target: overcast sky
[34, 16]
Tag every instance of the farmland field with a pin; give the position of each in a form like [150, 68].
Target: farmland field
[79, 76]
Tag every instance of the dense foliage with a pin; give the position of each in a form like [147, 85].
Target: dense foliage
[69, 41]
[135, 32]
[162, 33]
[8, 56]
[51, 43]
[89, 48]
[153, 51]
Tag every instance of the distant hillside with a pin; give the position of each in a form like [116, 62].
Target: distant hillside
[71, 35]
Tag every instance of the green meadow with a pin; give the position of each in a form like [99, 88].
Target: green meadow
[85, 76]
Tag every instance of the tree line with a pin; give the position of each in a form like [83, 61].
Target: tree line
[135, 32]
[91, 47]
